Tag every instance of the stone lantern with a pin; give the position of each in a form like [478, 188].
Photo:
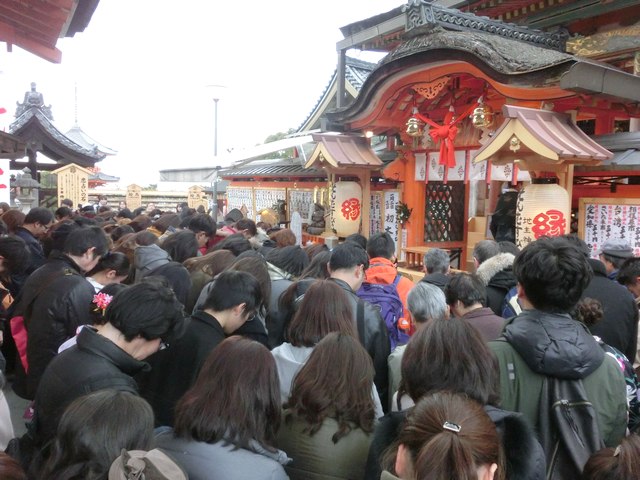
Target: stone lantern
[26, 191]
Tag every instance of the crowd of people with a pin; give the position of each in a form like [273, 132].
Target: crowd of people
[161, 345]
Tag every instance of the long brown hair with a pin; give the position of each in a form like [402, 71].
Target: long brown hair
[324, 308]
[211, 264]
[236, 397]
[448, 435]
[336, 382]
[620, 463]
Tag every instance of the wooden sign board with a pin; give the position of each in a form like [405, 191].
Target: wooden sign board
[197, 197]
[73, 183]
[602, 218]
[134, 196]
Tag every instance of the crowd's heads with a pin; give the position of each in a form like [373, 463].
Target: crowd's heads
[436, 260]
[257, 267]
[484, 250]
[15, 256]
[40, 220]
[358, 239]
[166, 222]
[553, 274]
[63, 213]
[448, 435]
[336, 382]
[614, 252]
[181, 245]
[13, 219]
[347, 256]
[230, 401]
[317, 268]
[283, 237]
[148, 309]
[620, 463]
[94, 429]
[247, 227]
[449, 355]
[467, 289]
[235, 291]
[212, 263]
[114, 265]
[426, 302]
[235, 243]
[87, 245]
[203, 226]
[292, 259]
[101, 301]
[324, 308]
[381, 245]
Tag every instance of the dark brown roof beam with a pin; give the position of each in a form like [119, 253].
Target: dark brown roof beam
[11, 37]
[48, 14]
[574, 11]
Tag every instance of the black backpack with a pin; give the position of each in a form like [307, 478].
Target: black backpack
[568, 428]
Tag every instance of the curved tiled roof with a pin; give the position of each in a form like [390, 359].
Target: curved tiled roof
[280, 169]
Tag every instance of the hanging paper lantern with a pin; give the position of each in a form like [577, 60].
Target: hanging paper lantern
[347, 208]
[543, 209]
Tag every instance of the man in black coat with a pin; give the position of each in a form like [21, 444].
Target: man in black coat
[139, 320]
[347, 265]
[234, 299]
[436, 267]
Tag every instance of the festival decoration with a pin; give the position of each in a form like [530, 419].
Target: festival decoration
[346, 208]
[102, 301]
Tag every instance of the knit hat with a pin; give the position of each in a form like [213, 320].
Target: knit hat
[142, 465]
[617, 247]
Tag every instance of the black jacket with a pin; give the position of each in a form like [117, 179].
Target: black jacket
[376, 341]
[524, 456]
[440, 280]
[619, 325]
[54, 301]
[174, 370]
[496, 273]
[95, 363]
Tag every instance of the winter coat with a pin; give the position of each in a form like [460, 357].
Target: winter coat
[376, 340]
[54, 301]
[276, 317]
[524, 456]
[536, 345]
[497, 275]
[317, 457]
[38, 257]
[384, 272]
[619, 324]
[94, 363]
[175, 369]
[206, 461]
[486, 322]
[150, 260]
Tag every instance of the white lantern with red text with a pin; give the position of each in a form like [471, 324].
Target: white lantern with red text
[543, 209]
[346, 208]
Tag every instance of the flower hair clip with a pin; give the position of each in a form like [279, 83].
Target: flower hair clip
[102, 301]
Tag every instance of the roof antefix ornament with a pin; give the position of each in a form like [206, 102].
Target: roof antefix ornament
[422, 15]
[33, 99]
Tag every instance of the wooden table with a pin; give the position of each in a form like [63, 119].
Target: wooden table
[414, 256]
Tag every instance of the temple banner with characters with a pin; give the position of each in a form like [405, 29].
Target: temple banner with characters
[602, 218]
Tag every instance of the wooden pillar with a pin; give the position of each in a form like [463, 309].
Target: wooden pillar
[565, 180]
[634, 123]
[365, 179]
[414, 196]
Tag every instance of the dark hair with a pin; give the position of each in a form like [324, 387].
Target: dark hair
[235, 243]
[82, 239]
[148, 309]
[232, 288]
[98, 315]
[212, 263]
[10, 469]
[577, 242]
[553, 274]
[629, 271]
[94, 429]
[335, 382]
[39, 215]
[315, 249]
[438, 452]
[138, 211]
[141, 222]
[145, 238]
[317, 268]
[358, 239]
[66, 202]
[508, 247]
[381, 245]
[165, 221]
[257, 267]
[283, 237]
[125, 213]
[436, 360]
[588, 311]
[230, 402]
[119, 231]
[466, 288]
[181, 245]
[202, 223]
[620, 463]
[348, 255]
[324, 308]
[112, 261]
[13, 219]
[248, 225]
[15, 253]
[62, 212]
[291, 259]
[485, 249]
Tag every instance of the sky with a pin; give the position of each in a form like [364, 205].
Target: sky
[143, 69]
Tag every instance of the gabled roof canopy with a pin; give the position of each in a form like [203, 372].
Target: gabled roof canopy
[340, 152]
[540, 137]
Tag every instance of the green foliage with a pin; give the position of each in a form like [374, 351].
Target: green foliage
[286, 153]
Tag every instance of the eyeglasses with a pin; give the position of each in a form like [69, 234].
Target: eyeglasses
[163, 345]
